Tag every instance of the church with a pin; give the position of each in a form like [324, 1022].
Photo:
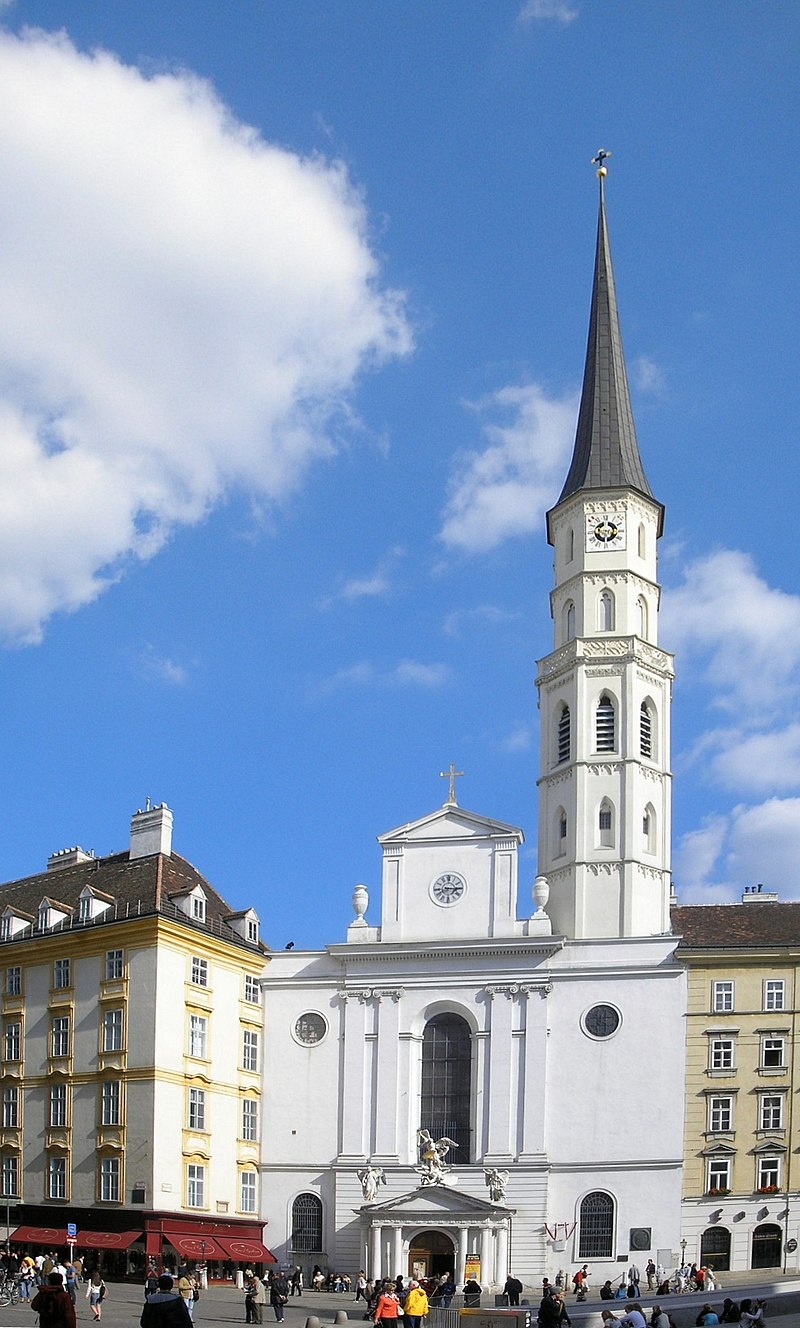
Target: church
[468, 1085]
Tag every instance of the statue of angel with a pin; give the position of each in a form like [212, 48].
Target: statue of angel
[433, 1152]
[497, 1182]
[371, 1177]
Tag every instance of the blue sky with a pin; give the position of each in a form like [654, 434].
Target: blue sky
[293, 308]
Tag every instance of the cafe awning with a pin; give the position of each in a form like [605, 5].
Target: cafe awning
[107, 1240]
[51, 1236]
[241, 1250]
[195, 1246]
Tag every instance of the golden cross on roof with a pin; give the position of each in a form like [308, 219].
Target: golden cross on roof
[452, 774]
[599, 161]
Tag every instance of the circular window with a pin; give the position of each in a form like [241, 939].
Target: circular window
[601, 1021]
[310, 1029]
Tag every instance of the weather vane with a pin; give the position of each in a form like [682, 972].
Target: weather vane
[599, 162]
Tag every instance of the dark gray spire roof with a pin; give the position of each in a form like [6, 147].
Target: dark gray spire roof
[606, 453]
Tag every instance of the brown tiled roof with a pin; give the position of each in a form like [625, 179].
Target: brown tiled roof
[141, 885]
[727, 926]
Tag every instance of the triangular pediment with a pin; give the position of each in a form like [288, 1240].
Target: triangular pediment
[450, 822]
[434, 1201]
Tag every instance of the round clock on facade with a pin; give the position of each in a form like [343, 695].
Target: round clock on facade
[448, 888]
[605, 530]
[310, 1029]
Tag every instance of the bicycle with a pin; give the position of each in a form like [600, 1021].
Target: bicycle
[9, 1292]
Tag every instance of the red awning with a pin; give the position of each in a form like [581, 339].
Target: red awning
[242, 1250]
[195, 1247]
[107, 1240]
[52, 1236]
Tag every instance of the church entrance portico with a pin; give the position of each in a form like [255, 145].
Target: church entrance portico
[439, 1227]
[431, 1254]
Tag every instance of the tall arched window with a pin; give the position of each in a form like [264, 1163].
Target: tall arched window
[569, 621]
[596, 1222]
[641, 609]
[605, 824]
[560, 833]
[570, 544]
[605, 612]
[307, 1224]
[563, 736]
[649, 828]
[605, 725]
[642, 538]
[646, 727]
[445, 1105]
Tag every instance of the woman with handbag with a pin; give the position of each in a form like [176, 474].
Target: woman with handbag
[387, 1310]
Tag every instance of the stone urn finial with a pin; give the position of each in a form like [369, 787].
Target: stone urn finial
[360, 905]
[541, 893]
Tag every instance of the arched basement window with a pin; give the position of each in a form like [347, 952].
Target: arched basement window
[445, 1105]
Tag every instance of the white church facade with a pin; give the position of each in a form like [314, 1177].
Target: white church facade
[536, 1028]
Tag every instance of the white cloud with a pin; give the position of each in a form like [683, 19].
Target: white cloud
[647, 375]
[184, 310]
[752, 844]
[407, 673]
[163, 668]
[461, 621]
[558, 10]
[519, 739]
[504, 490]
[377, 584]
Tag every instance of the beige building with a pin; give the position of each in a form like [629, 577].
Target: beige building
[131, 1050]
[742, 1175]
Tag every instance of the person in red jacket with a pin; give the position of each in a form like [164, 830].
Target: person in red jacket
[387, 1309]
[53, 1305]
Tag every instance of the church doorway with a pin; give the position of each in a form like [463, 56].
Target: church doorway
[431, 1254]
[766, 1246]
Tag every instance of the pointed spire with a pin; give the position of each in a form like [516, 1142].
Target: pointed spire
[606, 453]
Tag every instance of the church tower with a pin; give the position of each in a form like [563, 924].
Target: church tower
[605, 689]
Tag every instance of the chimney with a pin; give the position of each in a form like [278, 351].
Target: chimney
[151, 831]
[69, 857]
[756, 894]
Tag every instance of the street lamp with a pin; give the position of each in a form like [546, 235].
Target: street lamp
[683, 1251]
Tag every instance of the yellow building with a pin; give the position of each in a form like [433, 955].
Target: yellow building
[741, 1173]
[131, 1050]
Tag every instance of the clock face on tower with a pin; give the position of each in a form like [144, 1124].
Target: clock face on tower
[448, 888]
[605, 530]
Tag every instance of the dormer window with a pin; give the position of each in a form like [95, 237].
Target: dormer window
[43, 917]
[252, 930]
[5, 928]
[198, 908]
[85, 908]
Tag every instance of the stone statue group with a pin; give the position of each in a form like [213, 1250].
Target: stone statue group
[433, 1170]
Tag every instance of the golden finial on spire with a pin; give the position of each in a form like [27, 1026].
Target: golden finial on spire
[599, 162]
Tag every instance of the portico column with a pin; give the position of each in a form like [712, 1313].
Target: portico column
[501, 1271]
[461, 1264]
[375, 1269]
[487, 1267]
[397, 1253]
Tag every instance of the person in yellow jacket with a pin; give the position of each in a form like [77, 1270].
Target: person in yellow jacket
[415, 1307]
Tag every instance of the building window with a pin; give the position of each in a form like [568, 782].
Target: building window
[199, 971]
[197, 1109]
[605, 824]
[12, 1041]
[198, 908]
[605, 615]
[58, 1105]
[5, 928]
[109, 1180]
[564, 734]
[43, 917]
[722, 997]
[446, 1105]
[250, 1050]
[769, 1173]
[720, 1115]
[57, 1178]
[719, 1174]
[10, 1176]
[250, 1119]
[60, 1036]
[641, 607]
[85, 908]
[569, 621]
[722, 1053]
[13, 982]
[109, 1102]
[252, 989]
[774, 990]
[198, 1035]
[646, 731]
[772, 1053]
[112, 1030]
[771, 1111]
[596, 1240]
[62, 975]
[248, 1196]
[605, 726]
[10, 1108]
[252, 931]
[115, 965]
[307, 1224]
[195, 1186]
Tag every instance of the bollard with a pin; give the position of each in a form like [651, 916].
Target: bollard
[312, 1321]
[340, 1316]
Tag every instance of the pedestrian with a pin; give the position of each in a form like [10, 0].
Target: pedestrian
[187, 1288]
[26, 1278]
[512, 1289]
[297, 1282]
[634, 1277]
[164, 1307]
[730, 1311]
[650, 1273]
[361, 1286]
[71, 1282]
[387, 1307]
[553, 1311]
[278, 1295]
[150, 1281]
[415, 1306]
[607, 1291]
[472, 1294]
[96, 1293]
[633, 1318]
[53, 1305]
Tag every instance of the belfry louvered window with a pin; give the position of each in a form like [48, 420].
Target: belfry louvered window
[564, 736]
[645, 730]
[605, 725]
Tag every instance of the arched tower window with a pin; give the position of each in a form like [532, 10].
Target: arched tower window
[569, 621]
[307, 1224]
[605, 824]
[596, 1226]
[563, 735]
[605, 612]
[570, 544]
[641, 609]
[605, 725]
[560, 833]
[649, 828]
[642, 541]
[647, 746]
[445, 1104]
